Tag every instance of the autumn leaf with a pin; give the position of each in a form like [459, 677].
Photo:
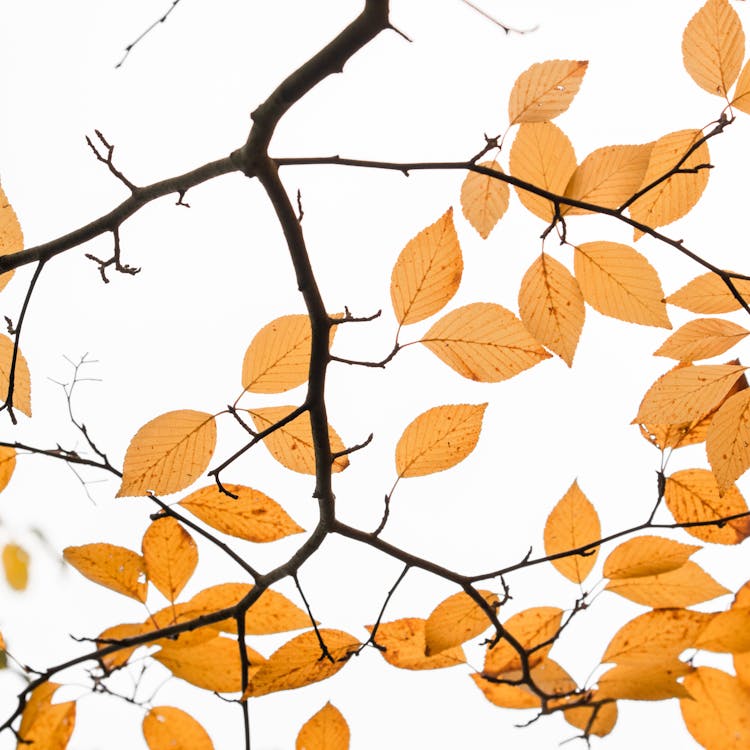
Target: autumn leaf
[427, 272]
[40, 698]
[175, 614]
[292, 445]
[7, 465]
[22, 377]
[438, 439]
[11, 236]
[727, 632]
[169, 555]
[51, 725]
[545, 90]
[325, 730]
[599, 721]
[114, 567]
[484, 342]
[707, 294]
[405, 646]
[713, 46]
[551, 306]
[644, 682]
[484, 199]
[118, 659]
[618, 281]
[728, 439]
[250, 515]
[701, 339]
[573, 523]
[741, 99]
[647, 556]
[170, 728]
[168, 453]
[16, 566]
[693, 496]
[455, 620]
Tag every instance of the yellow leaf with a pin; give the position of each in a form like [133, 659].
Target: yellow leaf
[687, 393]
[427, 272]
[251, 515]
[727, 632]
[713, 46]
[603, 722]
[531, 628]
[117, 659]
[683, 587]
[455, 620]
[169, 728]
[326, 730]
[271, 612]
[659, 635]
[168, 453]
[484, 199]
[701, 339]
[212, 665]
[485, 342]
[301, 662]
[543, 156]
[22, 380]
[741, 99]
[644, 682]
[675, 196]
[545, 90]
[169, 555]
[551, 306]
[438, 439]
[11, 236]
[51, 727]
[716, 713]
[40, 698]
[16, 566]
[572, 523]
[175, 614]
[608, 177]
[693, 495]
[728, 439]
[647, 556]
[7, 465]
[741, 660]
[406, 647]
[618, 281]
[292, 445]
[707, 294]
[117, 568]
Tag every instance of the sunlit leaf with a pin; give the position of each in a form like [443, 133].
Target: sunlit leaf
[741, 99]
[117, 659]
[175, 614]
[707, 294]
[741, 660]
[727, 632]
[543, 156]
[644, 682]
[169, 555]
[117, 568]
[427, 272]
[456, 620]
[618, 281]
[728, 439]
[485, 342]
[51, 727]
[572, 523]
[251, 515]
[551, 306]
[406, 647]
[438, 439]
[325, 730]
[16, 566]
[22, 377]
[11, 236]
[545, 90]
[168, 453]
[484, 199]
[693, 496]
[40, 698]
[701, 339]
[292, 445]
[713, 46]
[7, 465]
[169, 728]
[602, 723]
[647, 556]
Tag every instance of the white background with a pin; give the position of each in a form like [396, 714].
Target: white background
[173, 337]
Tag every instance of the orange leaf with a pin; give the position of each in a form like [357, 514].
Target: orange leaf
[22, 381]
[707, 294]
[484, 199]
[728, 439]
[545, 90]
[176, 614]
[644, 682]
[427, 272]
[169, 555]
[7, 465]
[727, 632]
[169, 728]
[117, 659]
[572, 523]
[16, 566]
[251, 515]
[11, 236]
[603, 723]
[168, 453]
[326, 730]
[701, 339]
[455, 620]
[438, 439]
[647, 556]
[51, 726]
[484, 342]
[406, 647]
[741, 99]
[114, 567]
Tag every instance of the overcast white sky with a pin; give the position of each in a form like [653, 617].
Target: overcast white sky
[174, 336]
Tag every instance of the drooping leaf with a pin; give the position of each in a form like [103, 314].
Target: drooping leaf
[647, 556]
[406, 646]
[573, 523]
[251, 515]
[116, 568]
[292, 445]
[50, 728]
[16, 566]
[22, 377]
[484, 199]
[727, 632]
[618, 281]
[600, 724]
[170, 555]
[170, 728]
[40, 698]
[644, 682]
[438, 439]
[707, 294]
[701, 339]
[728, 439]
[551, 306]
[325, 730]
[11, 236]
[301, 662]
[693, 496]
[543, 156]
[741, 98]
[427, 272]
[117, 659]
[713, 46]
[608, 177]
[545, 90]
[176, 614]
[168, 453]
[7, 465]
[485, 342]
[456, 620]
